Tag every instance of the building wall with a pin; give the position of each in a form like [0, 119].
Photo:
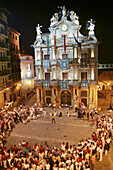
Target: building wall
[27, 71]
[5, 70]
[10, 85]
[83, 78]
[105, 92]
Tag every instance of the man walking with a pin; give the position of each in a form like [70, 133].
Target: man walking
[53, 118]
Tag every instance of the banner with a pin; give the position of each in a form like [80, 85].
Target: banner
[64, 44]
[79, 43]
[46, 84]
[64, 64]
[84, 84]
[55, 44]
[64, 85]
[45, 64]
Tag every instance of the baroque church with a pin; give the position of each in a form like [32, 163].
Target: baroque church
[66, 62]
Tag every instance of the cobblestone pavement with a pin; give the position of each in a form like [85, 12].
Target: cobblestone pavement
[65, 129]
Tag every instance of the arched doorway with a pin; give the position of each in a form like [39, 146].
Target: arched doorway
[66, 97]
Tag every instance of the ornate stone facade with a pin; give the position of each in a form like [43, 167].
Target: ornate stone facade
[66, 44]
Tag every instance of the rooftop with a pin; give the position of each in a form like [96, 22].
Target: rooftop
[106, 75]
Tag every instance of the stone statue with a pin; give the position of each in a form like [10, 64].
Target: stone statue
[91, 27]
[63, 12]
[74, 17]
[54, 19]
[38, 30]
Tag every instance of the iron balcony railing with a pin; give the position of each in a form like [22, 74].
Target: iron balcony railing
[4, 59]
[3, 45]
[4, 32]
[2, 73]
[56, 82]
[5, 85]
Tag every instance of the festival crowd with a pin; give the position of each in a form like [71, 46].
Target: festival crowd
[81, 157]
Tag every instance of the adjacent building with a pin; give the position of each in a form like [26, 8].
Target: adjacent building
[105, 85]
[14, 52]
[10, 85]
[66, 62]
[27, 71]
[5, 71]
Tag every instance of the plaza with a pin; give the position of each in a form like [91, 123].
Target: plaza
[70, 85]
[65, 129]
[52, 135]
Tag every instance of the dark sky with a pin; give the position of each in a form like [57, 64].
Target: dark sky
[25, 15]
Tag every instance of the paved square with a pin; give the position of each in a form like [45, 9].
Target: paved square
[65, 129]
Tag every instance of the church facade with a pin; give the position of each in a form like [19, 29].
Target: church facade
[66, 62]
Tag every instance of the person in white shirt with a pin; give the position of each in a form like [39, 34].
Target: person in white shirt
[55, 167]
[101, 153]
[47, 167]
[63, 146]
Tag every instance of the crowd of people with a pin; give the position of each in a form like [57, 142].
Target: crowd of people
[80, 157]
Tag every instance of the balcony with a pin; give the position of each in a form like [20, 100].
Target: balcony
[4, 59]
[28, 76]
[2, 73]
[38, 62]
[3, 86]
[53, 62]
[54, 82]
[3, 32]
[3, 45]
[92, 82]
[75, 82]
[38, 82]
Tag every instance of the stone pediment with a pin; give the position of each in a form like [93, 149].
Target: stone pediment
[63, 22]
[64, 27]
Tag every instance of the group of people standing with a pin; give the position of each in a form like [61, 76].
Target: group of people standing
[80, 157]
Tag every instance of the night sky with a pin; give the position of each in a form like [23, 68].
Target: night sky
[25, 15]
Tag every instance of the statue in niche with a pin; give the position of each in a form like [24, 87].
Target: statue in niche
[38, 30]
[91, 27]
[54, 19]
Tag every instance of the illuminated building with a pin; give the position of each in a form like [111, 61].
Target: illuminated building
[66, 62]
[27, 71]
[105, 85]
[10, 85]
[15, 89]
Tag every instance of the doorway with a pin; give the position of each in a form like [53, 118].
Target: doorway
[84, 100]
[66, 97]
[48, 100]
